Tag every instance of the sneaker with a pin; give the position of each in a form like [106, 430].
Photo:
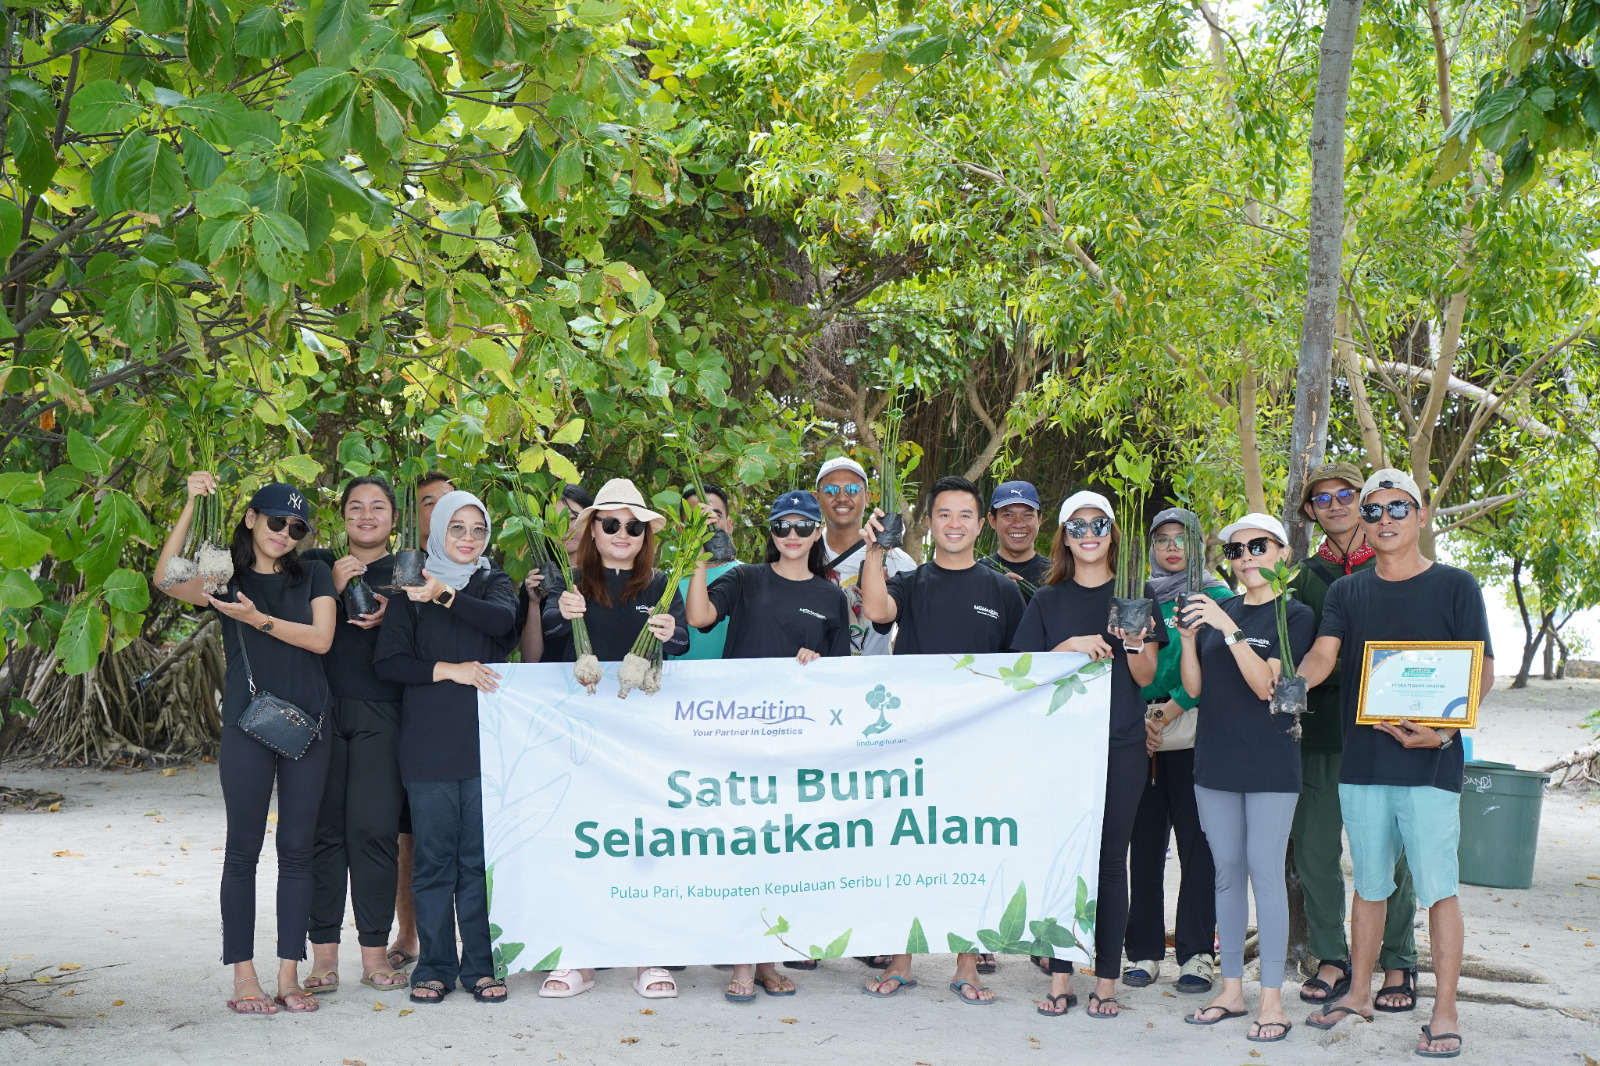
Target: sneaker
[1141, 974]
[1197, 974]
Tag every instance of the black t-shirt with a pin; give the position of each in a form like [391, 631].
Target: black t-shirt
[1065, 610]
[772, 617]
[961, 612]
[288, 672]
[612, 630]
[349, 662]
[1034, 571]
[1239, 744]
[439, 719]
[1441, 603]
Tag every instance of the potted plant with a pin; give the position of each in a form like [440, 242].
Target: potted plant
[1194, 556]
[409, 556]
[359, 599]
[1131, 610]
[891, 476]
[547, 543]
[641, 667]
[720, 545]
[1289, 694]
[206, 553]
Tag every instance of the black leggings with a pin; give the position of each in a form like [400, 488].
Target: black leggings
[1127, 770]
[247, 769]
[358, 831]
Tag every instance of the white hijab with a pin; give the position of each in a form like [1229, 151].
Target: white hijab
[441, 566]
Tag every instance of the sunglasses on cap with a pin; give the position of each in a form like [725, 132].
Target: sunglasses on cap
[1235, 549]
[802, 528]
[1372, 513]
[636, 527]
[851, 489]
[1324, 500]
[1078, 528]
[297, 529]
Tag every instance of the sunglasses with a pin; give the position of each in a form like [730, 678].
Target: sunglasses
[1078, 528]
[1372, 513]
[800, 529]
[636, 527]
[1324, 500]
[297, 529]
[852, 490]
[1235, 549]
[1171, 541]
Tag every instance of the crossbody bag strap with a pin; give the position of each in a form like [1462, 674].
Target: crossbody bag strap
[244, 653]
[842, 556]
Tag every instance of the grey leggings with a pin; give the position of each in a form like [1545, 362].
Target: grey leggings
[1249, 834]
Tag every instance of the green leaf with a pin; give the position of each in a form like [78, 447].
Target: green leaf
[83, 634]
[10, 229]
[32, 150]
[127, 590]
[148, 177]
[87, 455]
[340, 26]
[570, 433]
[101, 107]
[551, 961]
[1013, 921]
[507, 954]
[260, 34]
[23, 708]
[490, 355]
[928, 52]
[159, 16]
[299, 468]
[568, 167]
[959, 945]
[1058, 699]
[916, 940]
[315, 92]
[991, 940]
[280, 245]
[20, 487]
[222, 198]
[836, 947]
[18, 590]
[780, 927]
[965, 661]
[1023, 664]
[201, 161]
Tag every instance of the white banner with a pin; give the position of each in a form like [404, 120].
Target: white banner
[757, 809]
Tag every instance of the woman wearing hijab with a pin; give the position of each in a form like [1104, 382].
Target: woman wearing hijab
[1167, 805]
[618, 587]
[462, 617]
[783, 607]
[1069, 613]
[1246, 763]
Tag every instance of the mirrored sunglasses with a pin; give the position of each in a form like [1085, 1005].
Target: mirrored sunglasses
[852, 490]
[802, 528]
[1078, 528]
[1398, 509]
[1258, 546]
[1324, 500]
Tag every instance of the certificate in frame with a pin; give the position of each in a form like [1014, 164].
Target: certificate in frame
[1431, 683]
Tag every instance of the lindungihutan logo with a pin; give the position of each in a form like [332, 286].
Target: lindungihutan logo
[881, 700]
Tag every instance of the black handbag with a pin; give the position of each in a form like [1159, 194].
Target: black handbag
[277, 723]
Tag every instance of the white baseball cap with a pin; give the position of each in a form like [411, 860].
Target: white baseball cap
[1256, 520]
[842, 462]
[1390, 478]
[1085, 499]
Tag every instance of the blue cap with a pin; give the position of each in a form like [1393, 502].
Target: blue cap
[1012, 492]
[283, 500]
[800, 503]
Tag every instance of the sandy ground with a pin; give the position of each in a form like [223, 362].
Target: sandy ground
[123, 882]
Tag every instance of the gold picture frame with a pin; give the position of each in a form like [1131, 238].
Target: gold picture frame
[1421, 681]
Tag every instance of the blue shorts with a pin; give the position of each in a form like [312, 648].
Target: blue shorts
[1380, 820]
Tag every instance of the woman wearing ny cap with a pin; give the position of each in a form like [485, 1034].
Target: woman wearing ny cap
[1069, 614]
[783, 607]
[280, 611]
[618, 586]
[1246, 763]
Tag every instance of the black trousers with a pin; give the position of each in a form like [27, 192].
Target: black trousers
[359, 824]
[1168, 807]
[247, 770]
[1127, 770]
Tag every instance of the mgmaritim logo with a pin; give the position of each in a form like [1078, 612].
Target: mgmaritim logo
[1419, 671]
[881, 700]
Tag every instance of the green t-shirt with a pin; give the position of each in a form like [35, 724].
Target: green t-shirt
[706, 645]
[1322, 726]
[1168, 682]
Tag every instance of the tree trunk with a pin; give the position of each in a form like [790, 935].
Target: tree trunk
[1530, 642]
[1549, 651]
[1324, 259]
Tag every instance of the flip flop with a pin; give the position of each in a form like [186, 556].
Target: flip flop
[322, 990]
[1431, 1036]
[767, 987]
[987, 963]
[576, 985]
[432, 986]
[1331, 992]
[655, 975]
[1329, 1023]
[401, 980]
[739, 997]
[1259, 1039]
[233, 1005]
[904, 984]
[1406, 987]
[479, 990]
[974, 1001]
[1068, 1000]
[303, 997]
[1100, 1015]
[1224, 1016]
[406, 958]
[877, 962]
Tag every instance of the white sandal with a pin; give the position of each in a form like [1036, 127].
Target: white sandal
[655, 975]
[573, 979]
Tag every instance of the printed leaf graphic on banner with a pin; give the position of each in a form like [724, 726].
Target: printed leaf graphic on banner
[959, 945]
[916, 940]
[551, 961]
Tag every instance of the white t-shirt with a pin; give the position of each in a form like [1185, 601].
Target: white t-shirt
[845, 571]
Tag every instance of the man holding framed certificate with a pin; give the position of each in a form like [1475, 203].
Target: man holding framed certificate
[1400, 781]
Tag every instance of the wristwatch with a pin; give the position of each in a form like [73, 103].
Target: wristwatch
[1233, 638]
[1445, 741]
[266, 627]
[445, 598]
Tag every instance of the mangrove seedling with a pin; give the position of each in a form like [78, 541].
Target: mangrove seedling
[408, 556]
[641, 667]
[1131, 610]
[1289, 694]
[547, 542]
[891, 475]
[1194, 566]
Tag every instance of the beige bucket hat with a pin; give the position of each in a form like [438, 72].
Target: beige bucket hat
[620, 493]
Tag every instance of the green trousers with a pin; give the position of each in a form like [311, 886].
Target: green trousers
[1318, 835]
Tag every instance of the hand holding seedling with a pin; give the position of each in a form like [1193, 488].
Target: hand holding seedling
[1203, 610]
[375, 619]
[1122, 635]
[201, 483]
[572, 605]
[532, 582]
[430, 588]
[662, 626]
[346, 569]
[874, 527]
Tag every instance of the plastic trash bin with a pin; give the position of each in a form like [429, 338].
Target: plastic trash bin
[1500, 807]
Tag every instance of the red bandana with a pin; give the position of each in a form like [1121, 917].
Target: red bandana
[1349, 562]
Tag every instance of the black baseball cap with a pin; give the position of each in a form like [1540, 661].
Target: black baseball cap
[279, 498]
[803, 504]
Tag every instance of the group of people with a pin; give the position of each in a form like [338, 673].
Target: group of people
[385, 804]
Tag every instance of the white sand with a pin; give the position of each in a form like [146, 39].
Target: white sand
[135, 903]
